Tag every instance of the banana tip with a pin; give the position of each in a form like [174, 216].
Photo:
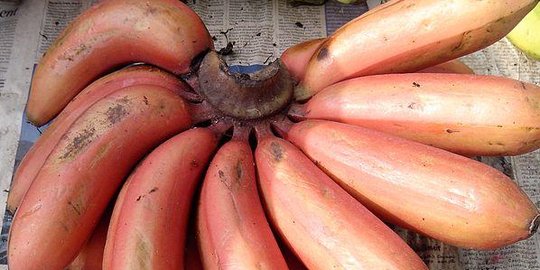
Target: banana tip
[36, 121]
[11, 209]
[535, 223]
[301, 93]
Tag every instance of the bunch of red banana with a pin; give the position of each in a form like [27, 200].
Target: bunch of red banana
[369, 146]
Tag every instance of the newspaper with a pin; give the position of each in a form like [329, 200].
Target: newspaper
[254, 33]
[260, 31]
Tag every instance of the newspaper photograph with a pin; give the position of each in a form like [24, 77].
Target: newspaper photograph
[249, 34]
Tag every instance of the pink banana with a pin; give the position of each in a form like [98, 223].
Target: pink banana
[407, 36]
[165, 33]
[323, 225]
[446, 196]
[235, 235]
[466, 114]
[38, 153]
[150, 218]
[83, 172]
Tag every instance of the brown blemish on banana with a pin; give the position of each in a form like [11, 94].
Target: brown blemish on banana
[450, 131]
[413, 106]
[462, 42]
[223, 179]
[124, 100]
[232, 184]
[101, 153]
[69, 31]
[78, 51]
[523, 86]
[75, 208]
[154, 189]
[239, 171]
[221, 175]
[495, 143]
[142, 253]
[85, 49]
[79, 142]
[533, 102]
[150, 10]
[323, 53]
[30, 212]
[528, 143]
[61, 38]
[277, 151]
[116, 113]
[64, 226]
[327, 193]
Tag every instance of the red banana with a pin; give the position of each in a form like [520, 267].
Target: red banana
[86, 167]
[150, 218]
[407, 36]
[466, 114]
[296, 59]
[323, 225]
[446, 196]
[165, 33]
[38, 153]
[232, 228]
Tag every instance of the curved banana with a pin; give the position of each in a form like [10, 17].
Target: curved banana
[165, 33]
[38, 153]
[446, 196]
[296, 59]
[407, 36]
[85, 169]
[466, 114]
[235, 235]
[150, 218]
[325, 226]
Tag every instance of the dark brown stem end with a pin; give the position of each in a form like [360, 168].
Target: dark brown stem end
[251, 96]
